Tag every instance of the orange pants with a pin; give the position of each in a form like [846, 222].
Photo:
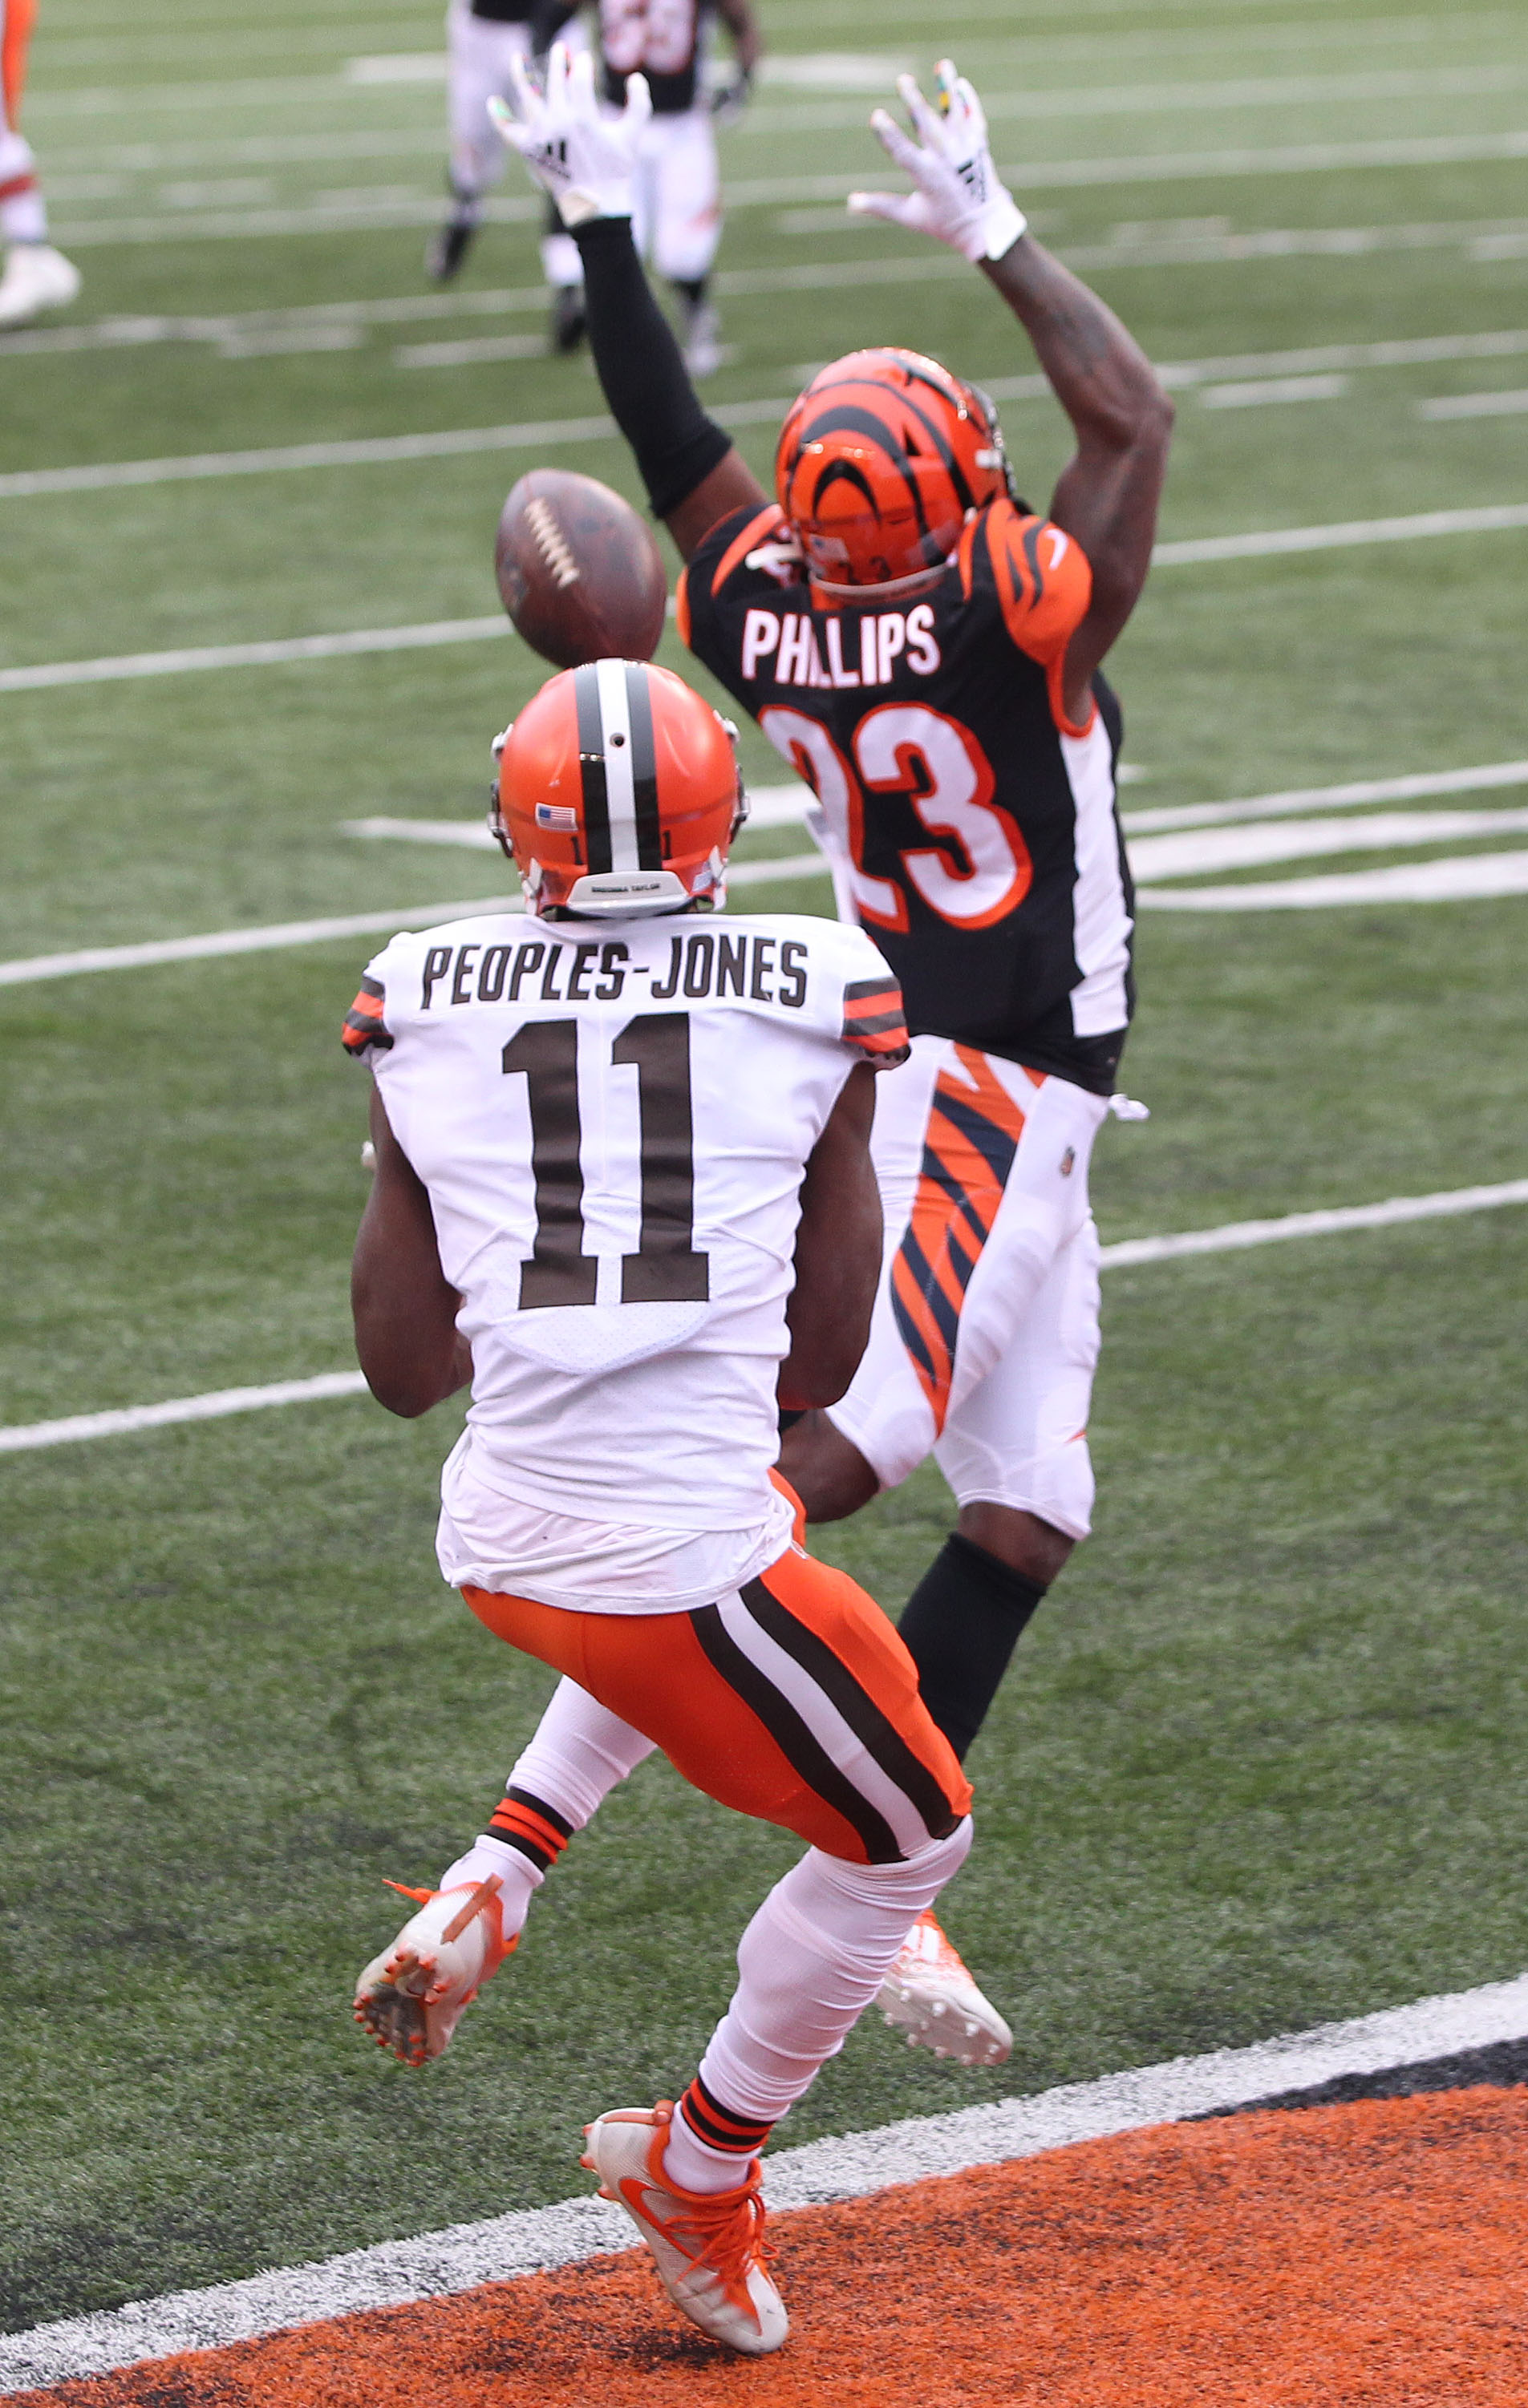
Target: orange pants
[792, 1700]
[16, 16]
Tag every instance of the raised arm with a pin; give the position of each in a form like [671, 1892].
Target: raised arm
[838, 1255]
[693, 472]
[404, 1308]
[1107, 495]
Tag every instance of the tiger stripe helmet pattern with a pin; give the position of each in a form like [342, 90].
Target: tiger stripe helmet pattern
[880, 462]
[618, 794]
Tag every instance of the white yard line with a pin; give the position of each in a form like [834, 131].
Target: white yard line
[247, 656]
[1233, 1237]
[1349, 797]
[1196, 550]
[223, 942]
[1474, 405]
[1467, 878]
[1154, 858]
[919, 2149]
[1499, 519]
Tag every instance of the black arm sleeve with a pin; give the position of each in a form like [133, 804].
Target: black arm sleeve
[638, 364]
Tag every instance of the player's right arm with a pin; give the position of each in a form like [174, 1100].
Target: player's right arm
[404, 1307]
[693, 471]
[838, 1255]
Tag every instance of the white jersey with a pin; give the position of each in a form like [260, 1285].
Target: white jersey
[612, 1122]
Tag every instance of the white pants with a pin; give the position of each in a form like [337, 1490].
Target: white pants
[22, 216]
[676, 216]
[986, 1331]
[479, 52]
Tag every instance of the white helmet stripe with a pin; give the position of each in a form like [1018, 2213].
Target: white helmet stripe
[620, 786]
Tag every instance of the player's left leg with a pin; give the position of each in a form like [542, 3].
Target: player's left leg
[687, 227]
[412, 1996]
[37, 277]
[790, 1700]
[479, 52]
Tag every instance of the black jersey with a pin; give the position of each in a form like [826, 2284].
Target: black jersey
[664, 40]
[979, 829]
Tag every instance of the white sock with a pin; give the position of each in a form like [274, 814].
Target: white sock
[809, 1964]
[519, 1879]
[579, 1754]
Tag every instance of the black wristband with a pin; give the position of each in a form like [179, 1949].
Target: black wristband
[639, 365]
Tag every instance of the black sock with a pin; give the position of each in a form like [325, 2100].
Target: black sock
[690, 288]
[961, 1626]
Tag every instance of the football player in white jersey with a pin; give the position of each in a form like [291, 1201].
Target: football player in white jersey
[482, 38]
[37, 277]
[677, 196]
[623, 1189]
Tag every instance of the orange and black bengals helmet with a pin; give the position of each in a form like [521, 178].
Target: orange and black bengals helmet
[879, 465]
[618, 794]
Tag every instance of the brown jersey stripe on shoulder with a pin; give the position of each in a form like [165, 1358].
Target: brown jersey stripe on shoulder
[743, 543]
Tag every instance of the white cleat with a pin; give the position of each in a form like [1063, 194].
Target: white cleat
[412, 1998]
[708, 2249]
[704, 352]
[929, 1995]
[36, 277]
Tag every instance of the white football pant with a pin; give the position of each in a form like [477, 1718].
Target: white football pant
[23, 217]
[479, 54]
[986, 1331]
[676, 216]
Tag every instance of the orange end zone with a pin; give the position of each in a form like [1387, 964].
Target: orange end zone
[1357, 2257]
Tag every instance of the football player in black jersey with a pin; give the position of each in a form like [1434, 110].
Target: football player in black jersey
[926, 652]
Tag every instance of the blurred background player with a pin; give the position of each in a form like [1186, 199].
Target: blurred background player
[624, 1188]
[925, 651]
[677, 192]
[37, 277]
[676, 189]
[483, 37]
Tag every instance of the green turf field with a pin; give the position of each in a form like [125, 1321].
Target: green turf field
[1261, 1759]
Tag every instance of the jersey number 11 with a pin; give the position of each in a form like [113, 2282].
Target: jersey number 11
[666, 1269]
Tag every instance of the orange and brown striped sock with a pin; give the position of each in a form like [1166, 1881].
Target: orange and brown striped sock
[527, 1823]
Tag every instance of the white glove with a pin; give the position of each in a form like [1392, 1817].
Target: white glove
[961, 199]
[584, 159]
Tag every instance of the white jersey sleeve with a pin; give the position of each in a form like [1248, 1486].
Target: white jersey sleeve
[612, 1126]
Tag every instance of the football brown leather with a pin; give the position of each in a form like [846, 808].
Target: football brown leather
[580, 573]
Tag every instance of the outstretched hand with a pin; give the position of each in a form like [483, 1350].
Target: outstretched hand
[584, 159]
[958, 196]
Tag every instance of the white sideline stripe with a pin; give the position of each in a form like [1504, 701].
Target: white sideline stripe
[1156, 858]
[247, 656]
[769, 807]
[23, 1438]
[226, 941]
[244, 940]
[1234, 1235]
[1491, 521]
[335, 149]
[918, 2149]
[1350, 796]
[1231, 1237]
[1467, 878]
[365, 452]
[1473, 405]
[1195, 551]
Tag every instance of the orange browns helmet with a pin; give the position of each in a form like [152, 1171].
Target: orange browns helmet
[618, 793]
[880, 462]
